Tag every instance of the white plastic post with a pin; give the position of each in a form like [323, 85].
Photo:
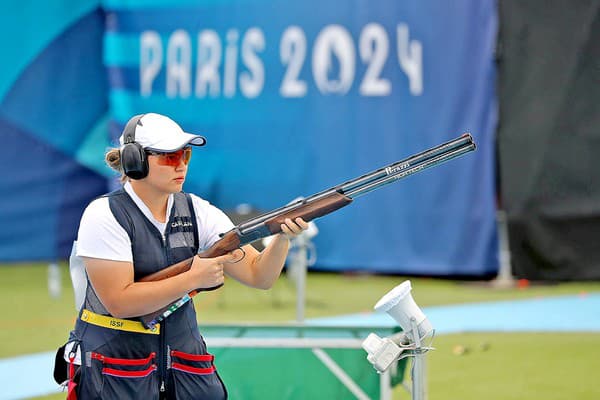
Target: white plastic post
[505, 277]
[297, 268]
[54, 281]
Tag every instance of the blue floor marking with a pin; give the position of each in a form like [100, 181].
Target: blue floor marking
[31, 375]
[548, 314]
[27, 376]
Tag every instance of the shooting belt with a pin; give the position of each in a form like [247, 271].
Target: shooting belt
[117, 323]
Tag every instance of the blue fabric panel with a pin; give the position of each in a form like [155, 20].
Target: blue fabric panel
[61, 94]
[43, 196]
[28, 26]
[44, 117]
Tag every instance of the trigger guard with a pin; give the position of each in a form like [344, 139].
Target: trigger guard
[243, 255]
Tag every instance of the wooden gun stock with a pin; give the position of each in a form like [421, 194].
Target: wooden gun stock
[169, 271]
[226, 244]
[231, 241]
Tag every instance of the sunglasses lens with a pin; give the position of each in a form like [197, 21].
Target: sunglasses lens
[187, 154]
[175, 158]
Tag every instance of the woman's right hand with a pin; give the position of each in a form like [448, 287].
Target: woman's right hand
[208, 272]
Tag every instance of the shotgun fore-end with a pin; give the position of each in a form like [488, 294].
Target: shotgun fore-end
[310, 211]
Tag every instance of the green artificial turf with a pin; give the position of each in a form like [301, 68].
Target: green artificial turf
[502, 366]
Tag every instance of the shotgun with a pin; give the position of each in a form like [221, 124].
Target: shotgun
[309, 208]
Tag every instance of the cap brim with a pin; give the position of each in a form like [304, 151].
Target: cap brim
[169, 145]
[197, 140]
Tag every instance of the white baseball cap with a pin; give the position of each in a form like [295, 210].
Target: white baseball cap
[160, 133]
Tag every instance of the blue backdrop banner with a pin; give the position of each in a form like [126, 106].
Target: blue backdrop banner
[295, 97]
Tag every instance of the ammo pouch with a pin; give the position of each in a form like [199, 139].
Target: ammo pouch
[67, 373]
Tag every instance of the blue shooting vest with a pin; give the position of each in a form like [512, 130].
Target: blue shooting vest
[173, 364]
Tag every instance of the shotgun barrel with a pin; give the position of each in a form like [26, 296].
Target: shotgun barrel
[323, 202]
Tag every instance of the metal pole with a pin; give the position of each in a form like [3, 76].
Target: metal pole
[385, 386]
[418, 370]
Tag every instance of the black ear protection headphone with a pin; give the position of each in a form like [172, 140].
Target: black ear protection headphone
[133, 156]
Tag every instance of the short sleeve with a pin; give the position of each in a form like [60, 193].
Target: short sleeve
[211, 222]
[101, 236]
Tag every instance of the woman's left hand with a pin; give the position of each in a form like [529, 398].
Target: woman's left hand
[291, 229]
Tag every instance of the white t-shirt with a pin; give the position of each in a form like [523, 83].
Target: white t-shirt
[101, 236]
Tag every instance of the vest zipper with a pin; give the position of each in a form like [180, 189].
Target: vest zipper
[163, 326]
[165, 248]
[164, 358]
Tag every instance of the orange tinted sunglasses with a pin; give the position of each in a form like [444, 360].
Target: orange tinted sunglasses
[174, 158]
